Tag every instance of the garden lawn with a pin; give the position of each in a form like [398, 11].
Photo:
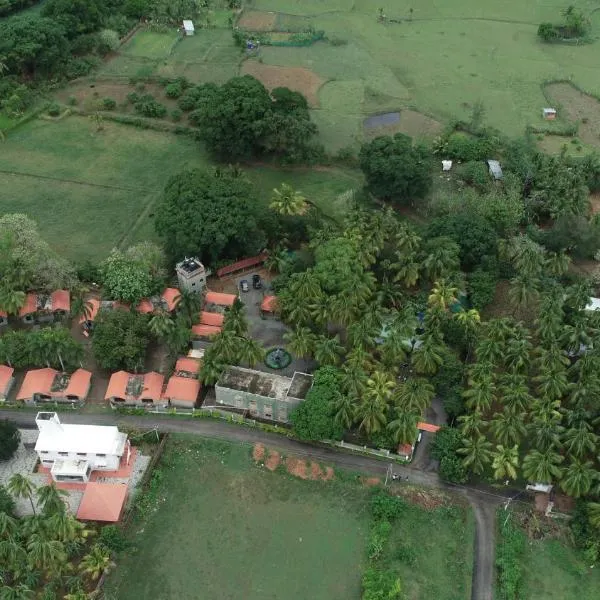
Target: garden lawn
[215, 525]
[555, 571]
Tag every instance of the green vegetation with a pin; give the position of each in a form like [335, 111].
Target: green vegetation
[9, 439]
[241, 522]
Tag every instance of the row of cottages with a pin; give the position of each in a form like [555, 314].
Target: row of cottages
[42, 308]
[50, 385]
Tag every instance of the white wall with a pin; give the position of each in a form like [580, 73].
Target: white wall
[99, 463]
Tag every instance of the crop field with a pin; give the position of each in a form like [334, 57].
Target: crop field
[216, 521]
[90, 191]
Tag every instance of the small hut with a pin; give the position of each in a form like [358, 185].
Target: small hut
[188, 28]
[549, 114]
[495, 169]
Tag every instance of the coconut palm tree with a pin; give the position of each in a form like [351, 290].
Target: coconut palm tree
[477, 453]
[328, 351]
[358, 358]
[51, 499]
[188, 305]
[404, 426]
[443, 295]
[393, 351]
[578, 478]
[472, 424]
[17, 592]
[11, 301]
[212, 368]
[48, 555]
[440, 258]
[514, 392]
[235, 319]
[226, 347]
[581, 440]
[22, 487]
[320, 311]
[251, 351]
[80, 307]
[95, 562]
[287, 201]
[523, 292]
[542, 467]
[64, 527]
[354, 380]
[481, 394]
[505, 461]
[508, 426]
[343, 308]
[305, 286]
[178, 339]
[8, 525]
[557, 263]
[407, 269]
[300, 342]
[362, 333]
[517, 355]
[428, 358]
[344, 410]
[594, 514]
[414, 395]
[552, 383]
[161, 324]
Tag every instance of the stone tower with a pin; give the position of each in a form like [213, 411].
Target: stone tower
[191, 275]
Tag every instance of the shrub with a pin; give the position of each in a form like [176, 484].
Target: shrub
[508, 560]
[176, 115]
[475, 173]
[133, 97]
[112, 537]
[379, 536]
[72, 101]
[54, 109]
[108, 41]
[174, 90]
[482, 288]
[80, 67]
[547, 32]
[380, 585]
[7, 504]
[140, 87]
[109, 104]
[147, 106]
[9, 439]
[385, 507]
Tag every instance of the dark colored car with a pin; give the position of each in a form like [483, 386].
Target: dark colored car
[244, 285]
[256, 282]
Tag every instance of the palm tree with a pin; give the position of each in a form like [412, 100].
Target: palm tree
[212, 368]
[8, 525]
[63, 526]
[472, 424]
[477, 453]
[287, 201]
[305, 286]
[18, 592]
[428, 358]
[578, 478]
[542, 467]
[328, 350]
[372, 410]
[414, 395]
[179, 337]
[557, 263]
[188, 305]
[251, 351]
[161, 324]
[22, 487]
[516, 356]
[95, 562]
[407, 269]
[481, 394]
[300, 341]
[344, 410]
[343, 308]
[552, 383]
[226, 346]
[441, 258]
[80, 307]
[508, 426]
[580, 440]
[514, 392]
[11, 301]
[523, 291]
[443, 295]
[48, 555]
[404, 426]
[320, 311]
[354, 380]
[51, 499]
[505, 462]
[235, 319]
[594, 514]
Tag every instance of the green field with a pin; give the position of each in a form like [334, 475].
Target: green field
[555, 571]
[219, 527]
[90, 191]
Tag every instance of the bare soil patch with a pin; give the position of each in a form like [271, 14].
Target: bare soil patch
[370, 481]
[412, 123]
[595, 203]
[298, 79]
[296, 467]
[427, 499]
[255, 20]
[258, 452]
[273, 461]
[578, 106]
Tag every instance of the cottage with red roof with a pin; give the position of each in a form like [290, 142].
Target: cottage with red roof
[167, 301]
[184, 387]
[6, 381]
[49, 385]
[127, 389]
[44, 308]
[210, 324]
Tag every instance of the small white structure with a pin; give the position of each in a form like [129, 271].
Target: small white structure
[188, 28]
[549, 114]
[72, 452]
[191, 275]
[593, 304]
[446, 165]
[495, 169]
[544, 488]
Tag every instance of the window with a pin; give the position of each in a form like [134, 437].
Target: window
[102, 455]
[63, 454]
[44, 452]
[252, 407]
[268, 411]
[82, 454]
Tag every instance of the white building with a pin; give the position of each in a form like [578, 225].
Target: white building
[188, 27]
[72, 452]
[191, 275]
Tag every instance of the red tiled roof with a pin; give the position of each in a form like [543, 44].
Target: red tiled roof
[171, 297]
[210, 318]
[3, 314]
[6, 374]
[145, 306]
[269, 304]
[427, 427]
[61, 300]
[405, 450]
[37, 381]
[153, 384]
[94, 307]
[79, 384]
[187, 365]
[117, 385]
[205, 330]
[220, 299]
[182, 389]
[30, 305]
[102, 502]
[246, 263]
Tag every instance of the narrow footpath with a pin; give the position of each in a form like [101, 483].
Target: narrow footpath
[484, 501]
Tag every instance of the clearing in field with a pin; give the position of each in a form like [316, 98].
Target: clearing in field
[407, 121]
[221, 526]
[298, 79]
[254, 20]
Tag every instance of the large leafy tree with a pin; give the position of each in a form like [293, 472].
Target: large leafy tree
[212, 214]
[395, 169]
[76, 16]
[9, 439]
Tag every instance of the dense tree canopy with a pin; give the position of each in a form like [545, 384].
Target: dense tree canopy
[76, 16]
[396, 169]
[9, 439]
[211, 214]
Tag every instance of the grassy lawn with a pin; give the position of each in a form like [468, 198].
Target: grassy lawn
[555, 571]
[219, 523]
[151, 45]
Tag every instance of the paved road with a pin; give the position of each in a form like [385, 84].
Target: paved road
[483, 501]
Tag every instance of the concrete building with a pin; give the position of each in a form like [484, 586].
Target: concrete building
[128, 389]
[72, 452]
[263, 395]
[188, 28]
[44, 308]
[6, 381]
[495, 169]
[50, 385]
[191, 275]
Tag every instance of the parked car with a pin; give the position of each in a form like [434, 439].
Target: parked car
[244, 285]
[256, 282]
